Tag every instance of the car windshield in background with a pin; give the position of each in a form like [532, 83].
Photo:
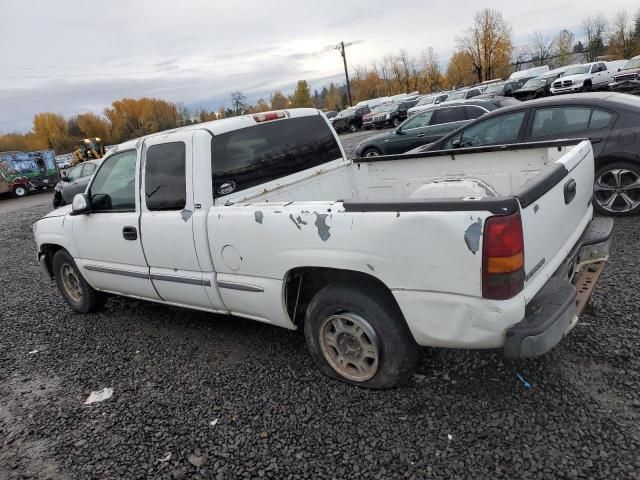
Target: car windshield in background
[345, 113]
[425, 101]
[635, 63]
[577, 70]
[379, 108]
[535, 83]
[457, 95]
[390, 107]
[495, 88]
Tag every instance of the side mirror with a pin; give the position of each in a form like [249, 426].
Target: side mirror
[399, 131]
[65, 177]
[454, 144]
[81, 204]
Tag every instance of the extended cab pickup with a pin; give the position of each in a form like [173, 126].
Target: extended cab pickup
[263, 217]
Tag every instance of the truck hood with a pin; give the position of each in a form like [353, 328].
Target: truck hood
[577, 78]
[59, 212]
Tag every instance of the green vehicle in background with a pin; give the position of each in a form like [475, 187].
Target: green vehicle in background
[21, 172]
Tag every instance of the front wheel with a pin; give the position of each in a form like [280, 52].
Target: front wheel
[353, 127]
[357, 334]
[78, 294]
[371, 152]
[20, 190]
[617, 189]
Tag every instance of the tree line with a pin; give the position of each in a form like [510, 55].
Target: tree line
[484, 51]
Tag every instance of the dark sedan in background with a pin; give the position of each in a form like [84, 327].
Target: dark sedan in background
[74, 181]
[428, 126]
[611, 121]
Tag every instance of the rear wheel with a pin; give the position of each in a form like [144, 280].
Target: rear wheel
[357, 334]
[371, 152]
[617, 189]
[74, 288]
[353, 127]
[19, 190]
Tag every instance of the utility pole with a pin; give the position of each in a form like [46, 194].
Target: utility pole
[340, 47]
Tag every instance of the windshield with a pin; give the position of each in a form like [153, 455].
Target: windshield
[457, 95]
[379, 108]
[577, 70]
[634, 63]
[345, 113]
[425, 101]
[535, 83]
[389, 107]
[495, 88]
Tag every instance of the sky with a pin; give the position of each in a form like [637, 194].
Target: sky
[75, 56]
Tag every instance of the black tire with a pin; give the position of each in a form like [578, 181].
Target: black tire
[586, 87]
[88, 299]
[57, 200]
[629, 172]
[353, 127]
[20, 190]
[371, 152]
[386, 329]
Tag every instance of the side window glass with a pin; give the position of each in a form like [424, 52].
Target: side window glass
[600, 119]
[554, 121]
[88, 169]
[449, 115]
[113, 187]
[602, 67]
[473, 93]
[473, 112]
[493, 131]
[74, 173]
[418, 121]
[165, 182]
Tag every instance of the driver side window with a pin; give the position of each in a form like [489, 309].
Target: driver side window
[418, 121]
[74, 173]
[113, 188]
[493, 131]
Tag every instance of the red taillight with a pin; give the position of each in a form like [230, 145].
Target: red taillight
[266, 116]
[502, 257]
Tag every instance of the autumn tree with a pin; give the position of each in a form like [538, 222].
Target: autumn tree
[261, 105]
[131, 118]
[279, 101]
[564, 47]
[488, 43]
[594, 28]
[21, 142]
[301, 97]
[460, 70]
[50, 131]
[333, 100]
[91, 126]
[430, 78]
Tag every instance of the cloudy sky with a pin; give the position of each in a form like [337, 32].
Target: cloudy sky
[74, 56]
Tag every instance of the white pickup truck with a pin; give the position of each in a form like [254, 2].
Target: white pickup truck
[583, 78]
[263, 217]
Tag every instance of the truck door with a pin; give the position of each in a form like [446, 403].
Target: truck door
[107, 239]
[167, 222]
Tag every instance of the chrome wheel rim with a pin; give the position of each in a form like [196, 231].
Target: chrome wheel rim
[372, 153]
[350, 345]
[20, 191]
[617, 190]
[71, 282]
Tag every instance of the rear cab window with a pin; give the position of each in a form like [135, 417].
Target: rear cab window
[244, 158]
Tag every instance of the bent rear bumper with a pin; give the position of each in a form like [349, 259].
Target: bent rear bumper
[554, 311]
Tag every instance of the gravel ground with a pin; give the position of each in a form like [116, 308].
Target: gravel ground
[173, 372]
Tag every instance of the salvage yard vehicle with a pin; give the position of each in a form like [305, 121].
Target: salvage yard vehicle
[350, 119]
[583, 78]
[74, 181]
[263, 217]
[428, 126]
[393, 114]
[21, 172]
[627, 79]
[427, 102]
[611, 121]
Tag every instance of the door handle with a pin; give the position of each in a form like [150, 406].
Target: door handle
[569, 191]
[420, 135]
[129, 233]
[595, 140]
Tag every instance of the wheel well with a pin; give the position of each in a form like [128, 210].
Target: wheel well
[587, 81]
[50, 249]
[302, 283]
[603, 162]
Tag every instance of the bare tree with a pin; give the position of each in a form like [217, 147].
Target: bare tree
[564, 42]
[595, 28]
[520, 56]
[541, 48]
[622, 38]
[488, 42]
[239, 103]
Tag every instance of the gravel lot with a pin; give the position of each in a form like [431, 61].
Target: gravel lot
[173, 372]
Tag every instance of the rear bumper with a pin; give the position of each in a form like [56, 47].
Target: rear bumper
[554, 311]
